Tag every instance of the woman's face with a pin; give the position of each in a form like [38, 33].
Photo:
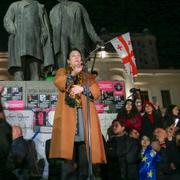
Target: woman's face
[148, 109]
[138, 104]
[75, 58]
[175, 111]
[128, 106]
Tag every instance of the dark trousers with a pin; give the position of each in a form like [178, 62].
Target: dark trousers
[76, 169]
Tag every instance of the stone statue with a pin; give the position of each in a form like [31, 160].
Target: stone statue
[71, 28]
[30, 48]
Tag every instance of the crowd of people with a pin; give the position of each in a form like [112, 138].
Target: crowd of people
[144, 144]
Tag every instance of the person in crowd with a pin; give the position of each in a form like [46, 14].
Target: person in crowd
[30, 46]
[130, 116]
[172, 114]
[149, 158]
[71, 28]
[134, 133]
[145, 141]
[22, 158]
[161, 135]
[176, 152]
[166, 168]
[151, 119]
[139, 106]
[122, 154]
[77, 92]
[133, 158]
[5, 143]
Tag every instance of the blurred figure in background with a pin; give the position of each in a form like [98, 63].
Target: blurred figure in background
[171, 115]
[22, 159]
[139, 106]
[5, 143]
[152, 119]
[122, 154]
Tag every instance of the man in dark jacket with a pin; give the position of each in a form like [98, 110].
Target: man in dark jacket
[122, 154]
[22, 159]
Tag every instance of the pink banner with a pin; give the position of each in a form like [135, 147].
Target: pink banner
[15, 105]
[99, 107]
[105, 85]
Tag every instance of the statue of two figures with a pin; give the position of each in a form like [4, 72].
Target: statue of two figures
[38, 43]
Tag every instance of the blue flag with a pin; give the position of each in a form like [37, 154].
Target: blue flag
[147, 169]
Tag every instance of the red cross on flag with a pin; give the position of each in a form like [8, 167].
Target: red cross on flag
[123, 46]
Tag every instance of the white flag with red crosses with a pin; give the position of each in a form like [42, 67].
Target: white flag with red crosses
[123, 46]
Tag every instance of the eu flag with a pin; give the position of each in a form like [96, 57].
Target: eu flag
[147, 169]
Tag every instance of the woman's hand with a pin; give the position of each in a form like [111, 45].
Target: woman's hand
[76, 89]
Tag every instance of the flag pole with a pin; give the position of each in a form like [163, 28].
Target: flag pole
[95, 51]
[98, 47]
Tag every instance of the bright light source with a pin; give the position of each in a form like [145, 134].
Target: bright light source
[102, 53]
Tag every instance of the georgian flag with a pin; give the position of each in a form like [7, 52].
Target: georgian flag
[123, 46]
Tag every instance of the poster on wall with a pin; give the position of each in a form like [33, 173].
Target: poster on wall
[23, 118]
[12, 93]
[119, 96]
[12, 98]
[32, 101]
[44, 101]
[112, 96]
[53, 101]
[43, 107]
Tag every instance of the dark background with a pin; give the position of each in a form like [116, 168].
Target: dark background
[161, 17]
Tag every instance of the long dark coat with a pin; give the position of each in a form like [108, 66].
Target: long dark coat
[71, 28]
[28, 26]
[64, 129]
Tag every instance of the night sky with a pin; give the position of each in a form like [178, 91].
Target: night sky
[161, 17]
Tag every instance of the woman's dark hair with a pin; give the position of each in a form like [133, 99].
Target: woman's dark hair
[169, 117]
[74, 49]
[169, 110]
[133, 112]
